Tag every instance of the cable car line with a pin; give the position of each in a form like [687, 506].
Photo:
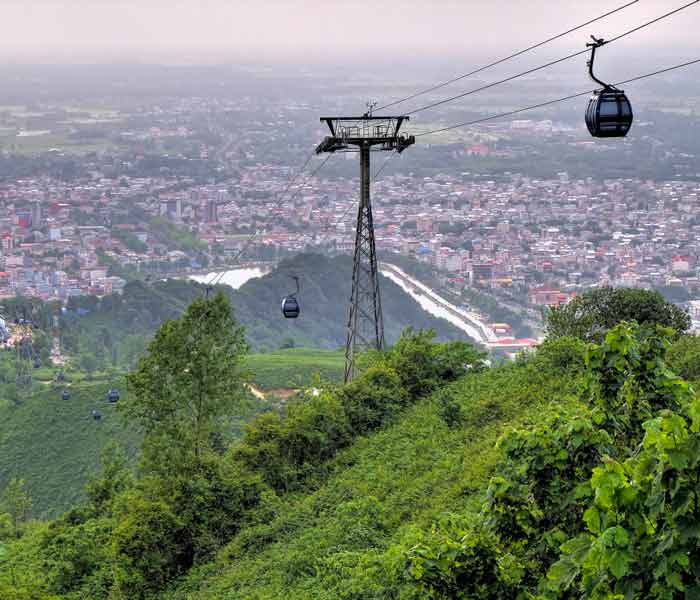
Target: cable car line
[507, 58]
[550, 102]
[286, 189]
[551, 63]
[215, 280]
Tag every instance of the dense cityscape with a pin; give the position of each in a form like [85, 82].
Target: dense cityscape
[526, 240]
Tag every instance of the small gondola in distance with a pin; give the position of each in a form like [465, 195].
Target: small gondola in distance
[290, 303]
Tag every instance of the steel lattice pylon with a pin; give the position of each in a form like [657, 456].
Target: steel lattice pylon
[350, 134]
[365, 323]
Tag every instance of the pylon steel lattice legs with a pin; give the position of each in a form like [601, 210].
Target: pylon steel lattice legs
[365, 323]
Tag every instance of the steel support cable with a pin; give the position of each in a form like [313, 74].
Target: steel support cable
[550, 102]
[507, 58]
[551, 63]
[346, 212]
[290, 183]
[277, 206]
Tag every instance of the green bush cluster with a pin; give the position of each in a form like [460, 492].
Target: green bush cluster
[287, 450]
[600, 502]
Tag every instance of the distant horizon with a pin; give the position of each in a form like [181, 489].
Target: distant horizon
[315, 31]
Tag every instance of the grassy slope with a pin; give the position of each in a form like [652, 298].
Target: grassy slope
[295, 367]
[345, 539]
[54, 444]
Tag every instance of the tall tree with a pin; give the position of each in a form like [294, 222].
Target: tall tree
[16, 502]
[188, 381]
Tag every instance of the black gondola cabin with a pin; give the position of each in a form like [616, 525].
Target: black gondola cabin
[290, 304]
[290, 307]
[112, 395]
[609, 114]
[66, 395]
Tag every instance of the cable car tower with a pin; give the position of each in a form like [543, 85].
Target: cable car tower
[364, 134]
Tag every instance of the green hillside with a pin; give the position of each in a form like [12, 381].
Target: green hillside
[54, 443]
[571, 473]
[347, 538]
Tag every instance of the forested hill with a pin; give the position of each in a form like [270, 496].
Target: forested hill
[114, 327]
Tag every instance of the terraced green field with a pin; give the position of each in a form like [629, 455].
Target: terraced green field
[295, 367]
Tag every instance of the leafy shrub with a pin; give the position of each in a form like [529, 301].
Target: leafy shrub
[372, 399]
[684, 357]
[423, 365]
[450, 409]
[145, 546]
[287, 450]
[601, 502]
[560, 355]
[592, 314]
[461, 565]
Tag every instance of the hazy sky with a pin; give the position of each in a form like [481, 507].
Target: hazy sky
[84, 29]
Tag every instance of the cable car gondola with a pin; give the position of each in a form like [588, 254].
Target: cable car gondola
[96, 414]
[113, 395]
[66, 395]
[609, 112]
[290, 304]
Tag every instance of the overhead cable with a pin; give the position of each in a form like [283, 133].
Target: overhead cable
[551, 63]
[507, 58]
[550, 102]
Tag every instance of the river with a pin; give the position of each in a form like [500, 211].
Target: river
[234, 278]
[437, 306]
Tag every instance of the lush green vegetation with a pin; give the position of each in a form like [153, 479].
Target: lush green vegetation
[569, 473]
[592, 314]
[197, 486]
[295, 367]
[175, 236]
[53, 444]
